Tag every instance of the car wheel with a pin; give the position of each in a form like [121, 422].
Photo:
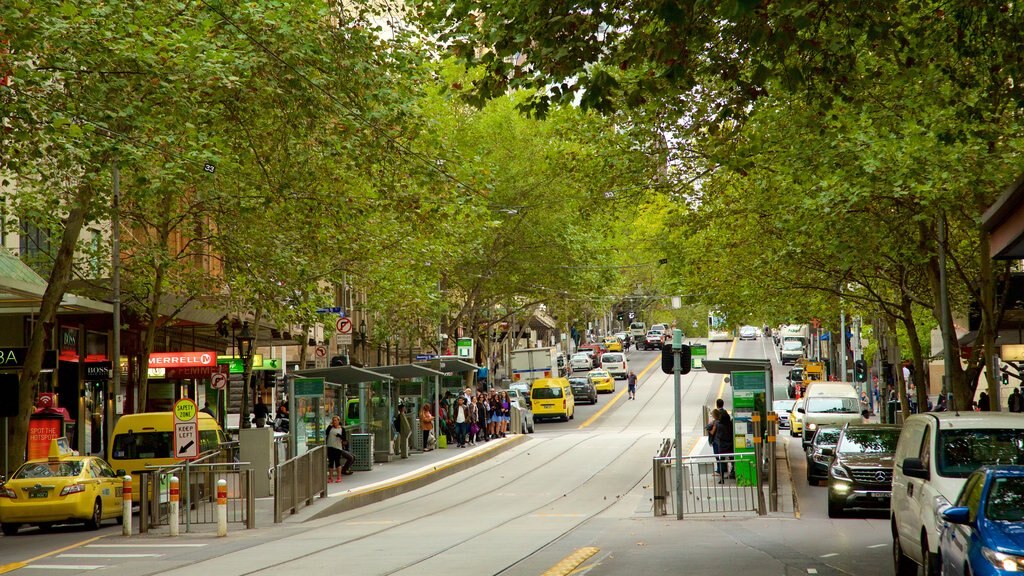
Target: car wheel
[564, 417]
[97, 516]
[811, 481]
[835, 509]
[931, 565]
[901, 562]
[9, 529]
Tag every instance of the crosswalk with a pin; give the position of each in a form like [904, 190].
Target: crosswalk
[99, 556]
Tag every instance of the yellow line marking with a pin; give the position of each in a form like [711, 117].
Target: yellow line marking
[15, 565]
[570, 562]
[721, 388]
[619, 396]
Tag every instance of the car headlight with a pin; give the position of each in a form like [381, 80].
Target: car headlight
[1007, 562]
[819, 457]
[839, 472]
[812, 426]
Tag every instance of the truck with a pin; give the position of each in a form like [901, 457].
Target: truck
[794, 340]
[637, 330]
[528, 364]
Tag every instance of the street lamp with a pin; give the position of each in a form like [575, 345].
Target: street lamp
[245, 340]
[362, 337]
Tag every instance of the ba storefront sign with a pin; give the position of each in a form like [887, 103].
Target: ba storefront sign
[15, 358]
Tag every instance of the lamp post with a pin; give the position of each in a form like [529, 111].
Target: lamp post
[245, 339]
[362, 338]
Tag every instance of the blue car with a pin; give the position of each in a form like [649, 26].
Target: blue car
[984, 530]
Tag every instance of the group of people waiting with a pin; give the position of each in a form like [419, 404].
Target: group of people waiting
[468, 418]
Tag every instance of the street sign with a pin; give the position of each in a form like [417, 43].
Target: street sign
[333, 310]
[186, 430]
[464, 347]
[632, 315]
[309, 387]
[345, 339]
[321, 352]
[219, 381]
[343, 325]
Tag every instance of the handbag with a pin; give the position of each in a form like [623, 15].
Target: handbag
[431, 440]
[473, 429]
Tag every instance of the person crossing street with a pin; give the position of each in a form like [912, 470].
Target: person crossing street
[631, 383]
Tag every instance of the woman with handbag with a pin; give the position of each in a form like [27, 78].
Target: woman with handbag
[427, 426]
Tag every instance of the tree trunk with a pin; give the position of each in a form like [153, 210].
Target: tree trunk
[916, 351]
[989, 329]
[56, 285]
[149, 338]
[894, 358]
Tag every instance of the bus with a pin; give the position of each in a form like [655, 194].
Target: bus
[718, 327]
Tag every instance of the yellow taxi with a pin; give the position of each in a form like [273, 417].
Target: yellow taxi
[796, 419]
[613, 344]
[61, 488]
[602, 381]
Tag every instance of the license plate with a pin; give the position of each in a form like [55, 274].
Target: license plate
[881, 495]
[547, 405]
[39, 494]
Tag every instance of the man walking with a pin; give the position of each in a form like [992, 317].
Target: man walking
[631, 381]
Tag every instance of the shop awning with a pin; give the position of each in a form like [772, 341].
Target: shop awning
[1004, 223]
[342, 375]
[449, 365]
[22, 289]
[407, 371]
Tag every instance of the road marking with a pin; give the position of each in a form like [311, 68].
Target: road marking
[812, 570]
[570, 562]
[24, 563]
[721, 388]
[878, 546]
[84, 555]
[619, 396]
[64, 566]
[145, 545]
[558, 515]
[829, 555]
[371, 523]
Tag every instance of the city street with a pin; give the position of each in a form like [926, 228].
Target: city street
[572, 486]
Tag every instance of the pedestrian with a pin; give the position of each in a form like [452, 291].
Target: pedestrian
[427, 426]
[404, 431]
[261, 411]
[983, 402]
[631, 382]
[505, 404]
[474, 418]
[483, 416]
[1015, 401]
[710, 429]
[337, 449]
[461, 416]
[940, 406]
[495, 415]
[206, 409]
[723, 435]
[865, 416]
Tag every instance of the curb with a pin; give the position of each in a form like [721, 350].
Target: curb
[390, 488]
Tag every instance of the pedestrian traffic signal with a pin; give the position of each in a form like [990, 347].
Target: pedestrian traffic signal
[860, 370]
[1006, 379]
[668, 362]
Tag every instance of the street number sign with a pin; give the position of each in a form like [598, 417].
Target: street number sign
[344, 325]
[186, 430]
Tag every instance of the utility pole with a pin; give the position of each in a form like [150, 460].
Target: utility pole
[842, 344]
[677, 368]
[947, 329]
[114, 385]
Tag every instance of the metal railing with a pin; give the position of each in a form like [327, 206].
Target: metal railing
[298, 481]
[705, 491]
[198, 481]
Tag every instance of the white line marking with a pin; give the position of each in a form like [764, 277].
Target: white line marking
[877, 545]
[829, 555]
[61, 567]
[145, 545]
[812, 571]
[83, 555]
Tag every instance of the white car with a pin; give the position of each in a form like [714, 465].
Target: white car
[748, 333]
[615, 364]
[581, 361]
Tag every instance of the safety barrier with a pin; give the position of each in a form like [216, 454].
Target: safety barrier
[298, 481]
[704, 490]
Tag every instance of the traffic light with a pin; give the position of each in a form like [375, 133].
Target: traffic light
[860, 370]
[667, 362]
[620, 317]
[1006, 379]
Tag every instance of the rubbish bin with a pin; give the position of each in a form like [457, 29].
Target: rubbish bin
[362, 449]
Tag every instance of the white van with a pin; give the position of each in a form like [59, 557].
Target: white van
[935, 454]
[615, 364]
[828, 403]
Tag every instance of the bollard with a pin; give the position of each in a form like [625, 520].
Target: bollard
[126, 507]
[174, 514]
[222, 507]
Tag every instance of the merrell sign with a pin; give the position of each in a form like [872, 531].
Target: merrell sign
[182, 359]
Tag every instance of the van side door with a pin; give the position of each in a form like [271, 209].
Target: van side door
[904, 513]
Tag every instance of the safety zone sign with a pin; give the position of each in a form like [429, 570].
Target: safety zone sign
[186, 430]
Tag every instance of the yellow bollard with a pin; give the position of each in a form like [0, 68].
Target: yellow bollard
[222, 507]
[174, 512]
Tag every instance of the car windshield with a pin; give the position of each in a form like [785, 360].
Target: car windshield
[964, 451]
[580, 357]
[545, 393]
[827, 437]
[49, 470]
[611, 358]
[1006, 499]
[869, 441]
[792, 345]
[833, 405]
[783, 405]
[578, 382]
[636, 326]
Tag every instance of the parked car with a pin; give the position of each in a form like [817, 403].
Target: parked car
[583, 390]
[782, 408]
[59, 489]
[748, 333]
[581, 361]
[937, 452]
[982, 531]
[861, 472]
[817, 461]
[602, 381]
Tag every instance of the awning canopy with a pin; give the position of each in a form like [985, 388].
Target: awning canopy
[449, 365]
[1004, 223]
[342, 375]
[22, 289]
[406, 371]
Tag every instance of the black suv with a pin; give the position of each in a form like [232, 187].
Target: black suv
[818, 462]
[861, 472]
[583, 389]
